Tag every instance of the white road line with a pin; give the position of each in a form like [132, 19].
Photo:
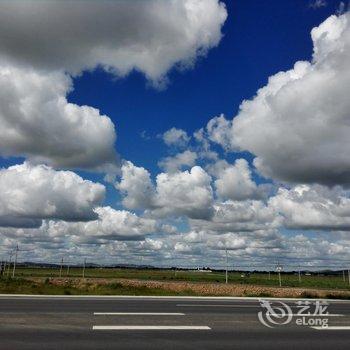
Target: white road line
[332, 328]
[149, 328]
[217, 305]
[141, 313]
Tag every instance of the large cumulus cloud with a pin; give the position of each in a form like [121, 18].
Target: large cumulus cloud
[31, 193]
[298, 124]
[37, 122]
[149, 36]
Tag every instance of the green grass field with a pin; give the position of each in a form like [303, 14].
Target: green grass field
[288, 280]
[25, 286]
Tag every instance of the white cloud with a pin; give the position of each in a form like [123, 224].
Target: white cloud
[38, 123]
[151, 244]
[238, 216]
[203, 148]
[342, 8]
[298, 124]
[316, 4]
[176, 137]
[114, 225]
[168, 229]
[229, 242]
[148, 36]
[39, 192]
[136, 186]
[250, 249]
[235, 181]
[219, 131]
[174, 163]
[186, 193]
[194, 237]
[110, 227]
[181, 247]
[313, 207]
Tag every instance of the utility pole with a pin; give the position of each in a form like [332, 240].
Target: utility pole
[8, 269]
[61, 267]
[344, 276]
[15, 262]
[175, 265]
[299, 275]
[269, 274]
[279, 269]
[279, 278]
[226, 275]
[84, 268]
[4, 269]
[68, 270]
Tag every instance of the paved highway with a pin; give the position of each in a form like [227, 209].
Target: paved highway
[161, 323]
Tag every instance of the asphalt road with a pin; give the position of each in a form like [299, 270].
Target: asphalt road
[162, 323]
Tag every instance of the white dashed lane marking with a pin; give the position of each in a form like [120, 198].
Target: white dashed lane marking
[333, 328]
[140, 313]
[150, 328]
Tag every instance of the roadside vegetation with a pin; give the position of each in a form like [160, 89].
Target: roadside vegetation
[264, 279]
[47, 286]
[110, 286]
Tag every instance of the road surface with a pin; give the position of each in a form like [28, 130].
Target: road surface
[160, 323]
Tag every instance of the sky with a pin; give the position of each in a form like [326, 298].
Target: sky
[166, 131]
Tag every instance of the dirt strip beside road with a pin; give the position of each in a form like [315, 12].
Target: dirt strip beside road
[202, 288]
